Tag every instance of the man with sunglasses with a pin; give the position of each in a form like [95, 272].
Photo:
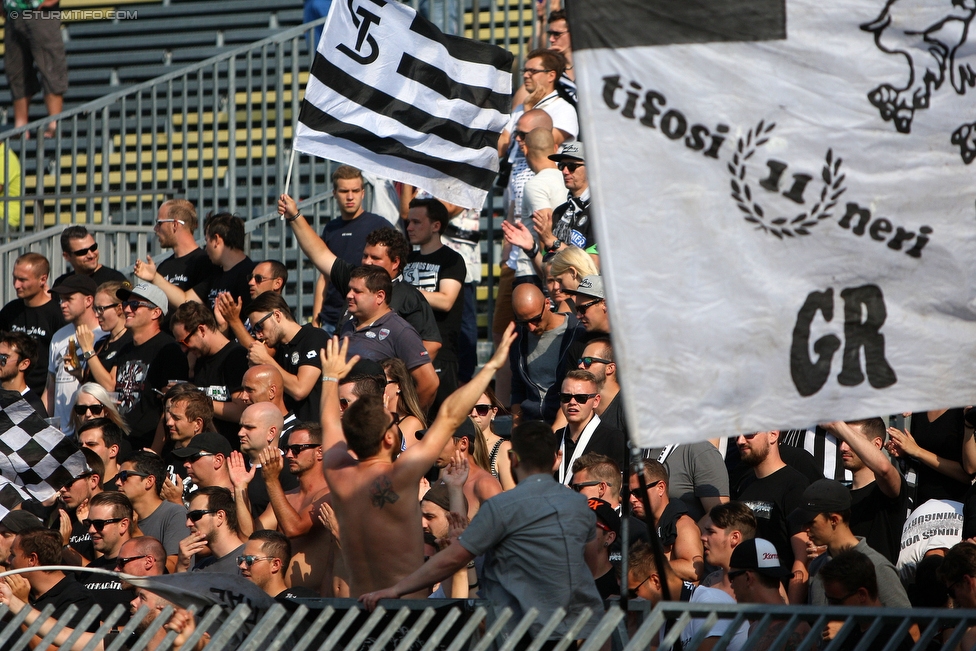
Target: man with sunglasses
[591, 305]
[295, 512]
[543, 352]
[205, 460]
[141, 480]
[214, 532]
[147, 364]
[109, 524]
[76, 295]
[18, 355]
[33, 313]
[265, 562]
[75, 495]
[176, 226]
[570, 224]
[81, 252]
[584, 432]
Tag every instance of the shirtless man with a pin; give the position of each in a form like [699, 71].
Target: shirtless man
[295, 512]
[367, 489]
[481, 485]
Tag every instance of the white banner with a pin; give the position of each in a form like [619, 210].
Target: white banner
[392, 95]
[785, 203]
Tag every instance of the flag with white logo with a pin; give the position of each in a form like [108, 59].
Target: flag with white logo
[34, 455]
[784, 192]
[392, 95]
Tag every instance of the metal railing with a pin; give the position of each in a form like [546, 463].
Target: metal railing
[450, 625]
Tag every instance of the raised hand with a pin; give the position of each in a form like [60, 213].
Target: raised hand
[145, 270]
[195, 543]
[328, 519]
[287, 207]
[240, 476]
[85, 337]
[500, 358]
[518, 235]
[227, 307]
[901, 443]
[271, 463]
[456, 472]
[334, 362]
[457, 523]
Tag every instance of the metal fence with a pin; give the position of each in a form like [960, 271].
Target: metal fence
[447, 625]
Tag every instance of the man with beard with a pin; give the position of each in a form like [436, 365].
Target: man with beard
[212, 520]
[773, 490]
[265, 561]
[18, 357]
[109, 524]
[295, 512]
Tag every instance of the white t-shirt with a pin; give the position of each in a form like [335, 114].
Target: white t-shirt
[65, 384]
[562, 113]
[544, 190]
[937, 524]
[703, 595]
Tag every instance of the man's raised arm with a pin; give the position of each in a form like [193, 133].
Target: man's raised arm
[176, 296]
[335, 366]
[455, 409]
[313, 246]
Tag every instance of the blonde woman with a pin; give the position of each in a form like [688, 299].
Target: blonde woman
[570, 266]
[92, 401]
[483, 414]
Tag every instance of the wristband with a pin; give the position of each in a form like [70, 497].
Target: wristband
[291, 219]
[535, 250]
[326, 378]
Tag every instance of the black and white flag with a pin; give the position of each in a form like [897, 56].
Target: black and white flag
[34, 455]
[392, 95]
[784, 192]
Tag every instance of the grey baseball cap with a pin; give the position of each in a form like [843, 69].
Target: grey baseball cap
[146, 291]
[570, 151]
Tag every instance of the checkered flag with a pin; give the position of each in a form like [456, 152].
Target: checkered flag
[11, 495]
[34, 455]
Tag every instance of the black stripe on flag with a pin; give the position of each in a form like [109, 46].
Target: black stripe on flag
[406, 114]
[464, 49]
[438, 81]
[315, 118]
[634, 23]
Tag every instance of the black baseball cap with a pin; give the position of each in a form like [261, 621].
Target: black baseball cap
[605, 514]
[204, 442]
[76, 284]
[17, 521]
[758, 555]
[822, 496]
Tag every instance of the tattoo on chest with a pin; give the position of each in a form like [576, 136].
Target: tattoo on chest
[381, 492]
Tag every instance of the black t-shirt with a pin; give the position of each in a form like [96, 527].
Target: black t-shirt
[605, 440]
[234, 280]
[103, 275]
[879, 518]
[80, 539]
[406, 300]
[64, 593]
[426, 272]
[303, 350]
[39, 323]
[107, 590]
[139, 370]
[220, 375]
[346, 239]
[943, 437]
[772, 499]
[107, 351]
[189, 270]
[35, 402]
[607, 585]
[613, 415]
[257, 490]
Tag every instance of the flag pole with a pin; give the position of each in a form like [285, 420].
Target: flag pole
[291, 164]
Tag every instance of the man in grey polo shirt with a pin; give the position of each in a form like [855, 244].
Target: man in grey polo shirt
[532, 538]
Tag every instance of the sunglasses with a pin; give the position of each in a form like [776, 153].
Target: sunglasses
[632, 593]
[100, 524]
[258, 278]
[198, 456]
[80, 252]
[649, 486]
[736, 574]
[834, 601]
[3, 359]
[554, 34]
[534, 71]
[585, 484]
[536, 320]
[259, 325]
[135, 305]
[520, 135]
[587, 362]
[125, 474]
[96, 410]
[482, 410]
[122, 561]
[572, 167]
[580, 398]
[251, 559]
[170, 221]
[194, 516]
[185, 341]
[100, 309]
[298, 448]
[581, 309]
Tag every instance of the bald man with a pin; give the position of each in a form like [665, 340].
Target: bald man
[542, 354]
[263, 383]
[261, 425]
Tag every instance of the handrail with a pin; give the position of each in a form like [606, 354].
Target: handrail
[111, 98]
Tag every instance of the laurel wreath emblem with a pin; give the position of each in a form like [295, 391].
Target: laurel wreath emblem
[833, 187]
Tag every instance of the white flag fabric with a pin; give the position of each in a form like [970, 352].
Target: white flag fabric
[784, 202]
[392, 95]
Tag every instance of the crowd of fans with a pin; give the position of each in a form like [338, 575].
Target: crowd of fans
[224, 436]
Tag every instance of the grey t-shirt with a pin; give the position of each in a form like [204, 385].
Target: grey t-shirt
[695, 470]
[167, 524]
[533, 538]
[226, 564]
[543, 357]
[891, 592]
